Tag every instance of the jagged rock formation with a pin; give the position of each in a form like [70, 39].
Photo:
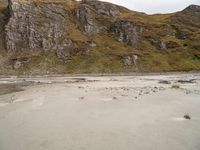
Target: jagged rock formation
[87, 15]
[127, 32]
[103, 8]
[87, 22]
[90, 35]
[35, 26]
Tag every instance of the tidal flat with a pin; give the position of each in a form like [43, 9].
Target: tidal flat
[147, 112]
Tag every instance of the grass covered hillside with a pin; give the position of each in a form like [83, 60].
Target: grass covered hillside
[52, 37]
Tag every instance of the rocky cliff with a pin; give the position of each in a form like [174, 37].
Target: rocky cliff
[46, 36]
[34, 26]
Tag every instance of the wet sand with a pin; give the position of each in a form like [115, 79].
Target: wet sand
[100, 113]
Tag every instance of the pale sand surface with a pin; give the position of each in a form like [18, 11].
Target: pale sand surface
[100, 113]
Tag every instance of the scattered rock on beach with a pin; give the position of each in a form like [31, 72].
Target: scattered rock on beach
[164, 82]
[175, 87]
[187, 116]
[115, 98]
[81, 98]
[186, 81]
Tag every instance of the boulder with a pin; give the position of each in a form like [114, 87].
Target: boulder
[158, 43]
[92, 43]
[164, 82]
[130, 60]
[18, 62]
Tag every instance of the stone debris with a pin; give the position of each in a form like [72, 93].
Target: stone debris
[187, 116]
[164, 82]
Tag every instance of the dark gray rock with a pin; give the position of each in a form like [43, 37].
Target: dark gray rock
[193, 9]
[103, 8]
[127, 32]
[189, 16]
[163, 45]
[157, 43]
[35, 26]
[86, 20]
[64, 49]
[187, 116]
[18, 62]
[164, 82]
[181, 34]
[186, 81]
[69, 48]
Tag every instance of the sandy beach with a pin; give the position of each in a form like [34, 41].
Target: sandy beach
[146, 112]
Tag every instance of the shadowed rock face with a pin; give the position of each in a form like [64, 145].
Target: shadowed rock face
[43, 26]
[90, 12]
[87, 22]
[127, 32]
[35, 26]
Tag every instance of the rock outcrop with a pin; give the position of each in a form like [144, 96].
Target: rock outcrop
[130, 60]
[193, 9]
[91, 15]
[35, 26]
[103, 8]
[18, 62]
[86, 20]
[127, 32]
[189, 16]
[157, 43]
[95, 36]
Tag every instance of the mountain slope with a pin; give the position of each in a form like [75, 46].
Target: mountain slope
[46, 36]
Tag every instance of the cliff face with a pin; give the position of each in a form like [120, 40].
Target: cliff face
[127, 32]
[35, 26]
[97, 35]
[43, 26]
